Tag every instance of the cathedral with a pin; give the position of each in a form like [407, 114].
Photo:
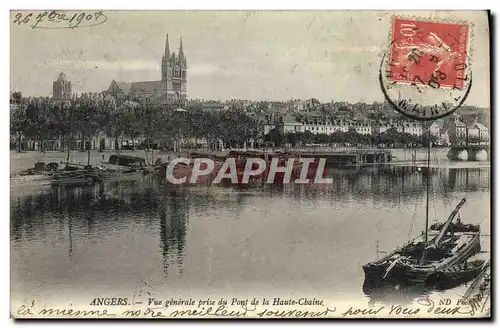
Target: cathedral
[170, 91]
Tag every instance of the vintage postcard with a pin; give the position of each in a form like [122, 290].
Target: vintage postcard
[250, 164]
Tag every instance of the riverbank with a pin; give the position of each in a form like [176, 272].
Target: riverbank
[25, 160]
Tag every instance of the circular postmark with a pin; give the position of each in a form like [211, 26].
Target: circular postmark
[426, 74]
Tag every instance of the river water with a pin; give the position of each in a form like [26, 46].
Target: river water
[121, 238]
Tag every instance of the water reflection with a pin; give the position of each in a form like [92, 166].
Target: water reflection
[174, 219]
[391, 184]
[97, 210]
[107, 201]
[393, 293]
[62, 219]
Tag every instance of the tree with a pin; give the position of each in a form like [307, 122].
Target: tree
[129, 120]
[274, 136]
[37, 116]
[60, 119]
[263, 106]
[294, 138]
[338, 137]
[88, 114]
[149, 118]
[18, 124]
[113, 122]
[206, 125]
[172, 126]
[353, 137]
[247, 127]
[307, 137]
[236, 127]
[424, 139]
[321, 138]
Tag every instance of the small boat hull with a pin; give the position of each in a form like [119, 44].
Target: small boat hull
[29, 178]
[73, 182]
[374, 274]
[414, 273]
[118, 168]
[77, 178]
[456, 274]
[441, 248]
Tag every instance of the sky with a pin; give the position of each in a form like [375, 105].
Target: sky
[266, 55]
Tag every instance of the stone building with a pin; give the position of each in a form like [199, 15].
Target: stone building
[457, 130]
[477, 133]
[170, 90]
[61, 88]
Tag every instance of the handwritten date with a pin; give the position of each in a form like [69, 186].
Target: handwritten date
[59, 19]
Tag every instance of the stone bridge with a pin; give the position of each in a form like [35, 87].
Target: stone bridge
[469, 153]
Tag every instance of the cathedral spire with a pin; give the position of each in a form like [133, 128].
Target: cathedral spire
[167, 49]
[181, 54]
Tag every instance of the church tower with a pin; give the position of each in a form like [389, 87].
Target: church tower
[174, 73]
[166, 68]
[183, 70]
[61, 88]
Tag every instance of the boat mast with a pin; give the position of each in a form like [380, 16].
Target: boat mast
[428, 128]
[446, 225]
[73, 103]
[88, 153]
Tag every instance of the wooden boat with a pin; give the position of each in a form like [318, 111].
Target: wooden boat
[395, 292]
[482, 282]
[195, 154]
[312, 167]
[439, 249]
[41, 173]
[124, 163]
[182, 170]
[241, 157]
[422, 257]
[20, 178]
[76, 177]
[455, 275]
[279, 177]
[38, 173]
[458, 227]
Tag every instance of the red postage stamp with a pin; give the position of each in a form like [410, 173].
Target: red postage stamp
[429, 53]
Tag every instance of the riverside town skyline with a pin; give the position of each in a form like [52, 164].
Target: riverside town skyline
[314, 59]
[250, 164]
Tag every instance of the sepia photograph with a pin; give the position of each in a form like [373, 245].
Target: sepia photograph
[250, 164]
